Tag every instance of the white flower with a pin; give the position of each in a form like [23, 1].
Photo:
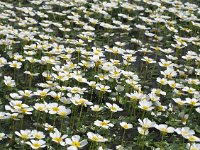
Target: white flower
[49, 127]
[148, 60]
[104, 124]
[3, 115]
[185, 131]
[146, 123]
[193, 146]
[24, 134]
[36, 144]
[164, 128]
[15, 96]
[169, 73]
[162, 81]
[154, 97]
[192, 138]
[37, 134]
[179, 101]
[54, 108]
[76, 90]
[41, 107]
[9, 82]
[192, 101]
[15, 64]
[78, 100]
[173, 84]
[64, 111]
[134, 96]
[146, 105]
[96, 137]
[164, 63]
[143, 131]
[126, 125]
[3, 61]
[26, 110]
[113, 107]
[43, 93]
[158, 92]
[25, 93]
[183, 117]
[96, 108]
[103, 88]
[75, 142]
[58, 138]
[120, 147]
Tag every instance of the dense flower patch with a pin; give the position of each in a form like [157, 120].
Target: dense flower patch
[110, 74]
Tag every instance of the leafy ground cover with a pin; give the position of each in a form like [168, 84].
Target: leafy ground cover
[100, 75]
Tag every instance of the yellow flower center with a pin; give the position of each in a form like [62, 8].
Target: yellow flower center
[27, 94]
[56, 109]
[36, 145]
[24, 110]
[193, 148]
[19, 105]
[57, 139]
[193, 103]
[43, 94]
[104, 123]
[125, 126]
[40, 108]
[24, 136]
[192, 138]
[184, 133]
[82, 101]
[145, 107]
[37, 136]
[113, 109]
[95, 138]
[76, 143]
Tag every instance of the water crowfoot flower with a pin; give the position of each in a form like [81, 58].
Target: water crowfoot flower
[104, 124]
[193, 146]
[75, 142]
[96, 137]
[146, 124]
[113, 108]
[164, 129]
[9, 82]
[37, 144]
[146, 105]
[91, 68]
[125, 126]
[58, 138]
[24, 134]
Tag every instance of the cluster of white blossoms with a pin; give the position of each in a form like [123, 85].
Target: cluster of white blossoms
[109, 74]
